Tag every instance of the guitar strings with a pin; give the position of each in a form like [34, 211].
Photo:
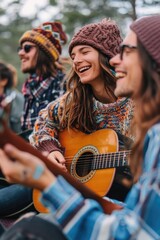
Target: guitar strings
[100, 157]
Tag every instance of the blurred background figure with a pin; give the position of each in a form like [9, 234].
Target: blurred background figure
[39, 52]
[15, 75]
[8, 82]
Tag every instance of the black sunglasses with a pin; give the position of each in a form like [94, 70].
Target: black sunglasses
[26, 48]
[123, 47]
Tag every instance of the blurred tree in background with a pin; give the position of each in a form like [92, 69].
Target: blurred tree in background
[72, 13]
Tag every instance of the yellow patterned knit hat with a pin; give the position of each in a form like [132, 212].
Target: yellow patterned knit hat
[49, 37]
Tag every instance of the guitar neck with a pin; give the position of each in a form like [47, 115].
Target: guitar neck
[110, 160]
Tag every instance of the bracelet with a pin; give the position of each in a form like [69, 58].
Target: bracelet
[38, 172]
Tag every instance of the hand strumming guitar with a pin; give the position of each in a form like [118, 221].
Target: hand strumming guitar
[57, 158]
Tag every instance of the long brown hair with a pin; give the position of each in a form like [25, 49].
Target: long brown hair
[45, 66]
[147, 107]
[78, 109]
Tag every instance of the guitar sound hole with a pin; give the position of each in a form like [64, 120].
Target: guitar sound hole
[83, 166]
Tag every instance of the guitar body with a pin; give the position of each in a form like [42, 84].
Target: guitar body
[80, 149]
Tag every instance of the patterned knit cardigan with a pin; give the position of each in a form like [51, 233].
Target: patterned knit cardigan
[116, 116]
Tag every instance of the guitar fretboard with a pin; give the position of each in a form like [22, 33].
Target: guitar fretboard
[110, 160]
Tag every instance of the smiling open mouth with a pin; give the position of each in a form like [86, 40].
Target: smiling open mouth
[120, 75]
[83, 69]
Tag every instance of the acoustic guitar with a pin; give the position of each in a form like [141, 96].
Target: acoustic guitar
[91, 159]
[8, 136]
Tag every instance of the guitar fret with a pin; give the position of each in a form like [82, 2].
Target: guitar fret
[95, 161]
[109, 161]
[118, 162]
[106, 161]
[124, 159]
[103, 161]
[113, 162]
[99, 162]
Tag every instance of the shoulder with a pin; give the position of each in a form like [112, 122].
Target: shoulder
[154, 130]
[58, 102]
[19, 98]
[152, 147]
[121, 104]
[56, 107]
[153, 133]
[19, 95]
[152, 137]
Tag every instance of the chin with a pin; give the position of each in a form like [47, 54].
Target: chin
[24, 70]
[83, 81]
[121, 93]
[117, 92]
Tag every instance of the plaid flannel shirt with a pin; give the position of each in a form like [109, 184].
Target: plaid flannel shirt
[38, 93]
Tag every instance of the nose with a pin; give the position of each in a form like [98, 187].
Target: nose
[77, 59]
[115, 60]
[21, 52]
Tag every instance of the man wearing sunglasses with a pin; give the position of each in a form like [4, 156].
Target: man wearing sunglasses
[39, 52]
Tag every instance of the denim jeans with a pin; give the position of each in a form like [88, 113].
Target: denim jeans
[15, 199]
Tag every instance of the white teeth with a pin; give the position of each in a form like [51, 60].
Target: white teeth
[83, 69]
[120, 75]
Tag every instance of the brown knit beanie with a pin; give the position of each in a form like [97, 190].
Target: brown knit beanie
[49, 37]
[147, 30]
[103, 36]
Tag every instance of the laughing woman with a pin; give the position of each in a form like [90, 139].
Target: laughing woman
[89, 104]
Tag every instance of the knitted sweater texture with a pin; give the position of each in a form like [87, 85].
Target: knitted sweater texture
[116, 116]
